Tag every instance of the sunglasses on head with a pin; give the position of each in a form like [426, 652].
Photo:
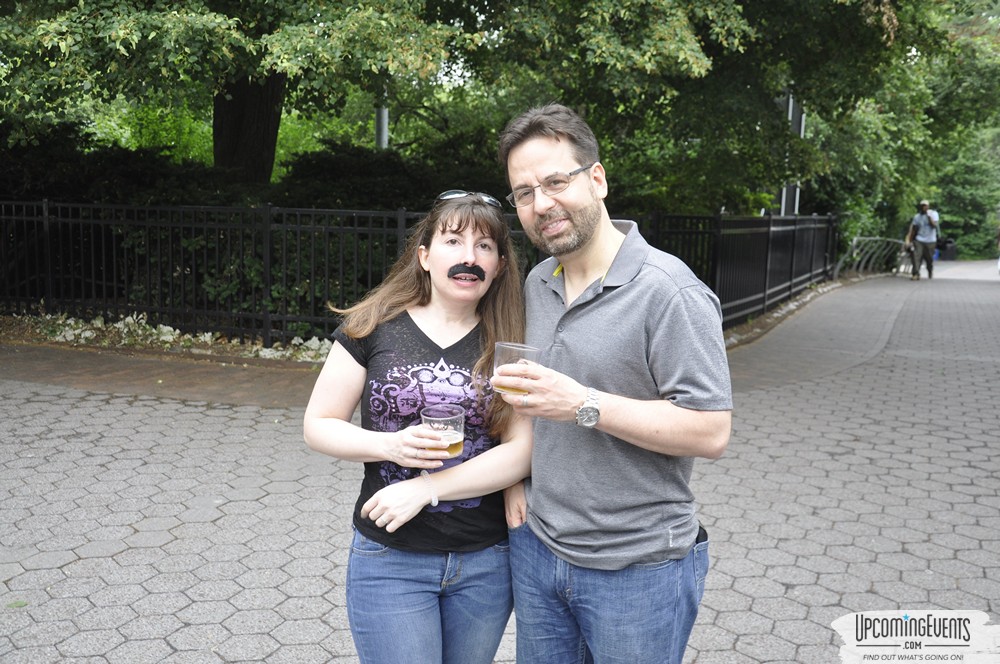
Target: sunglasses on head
[461, 193]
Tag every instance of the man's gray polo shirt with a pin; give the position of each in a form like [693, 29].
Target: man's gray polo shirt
[651, 330]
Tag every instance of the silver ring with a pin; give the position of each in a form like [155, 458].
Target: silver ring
[524, 401]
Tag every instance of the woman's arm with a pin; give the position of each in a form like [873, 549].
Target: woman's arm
[327, 424]
[493, 470]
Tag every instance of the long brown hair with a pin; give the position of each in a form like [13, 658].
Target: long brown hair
[500, 311]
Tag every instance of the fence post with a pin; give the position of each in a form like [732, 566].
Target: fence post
[767, 262]
[791, 266]
[814, 232]
[832, 240]
[716, 264]
[266, 249]
[47, 238]
[400, 231]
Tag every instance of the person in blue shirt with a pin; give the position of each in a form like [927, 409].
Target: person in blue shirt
[922, 237]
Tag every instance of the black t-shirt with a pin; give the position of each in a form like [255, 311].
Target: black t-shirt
[407, 371]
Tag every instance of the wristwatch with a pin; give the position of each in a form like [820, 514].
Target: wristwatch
[588, 414]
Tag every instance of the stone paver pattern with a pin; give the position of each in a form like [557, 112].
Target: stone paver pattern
[863, 473]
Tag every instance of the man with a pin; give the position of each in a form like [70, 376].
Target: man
[923, 229]
[632, 383]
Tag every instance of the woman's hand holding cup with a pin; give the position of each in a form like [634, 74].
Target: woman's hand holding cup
[416, 447]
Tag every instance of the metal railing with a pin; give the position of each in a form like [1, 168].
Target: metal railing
[873, 255]
[268, 273]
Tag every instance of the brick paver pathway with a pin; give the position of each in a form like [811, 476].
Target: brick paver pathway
[146, 519]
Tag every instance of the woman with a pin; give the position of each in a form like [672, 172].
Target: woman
[428, 576]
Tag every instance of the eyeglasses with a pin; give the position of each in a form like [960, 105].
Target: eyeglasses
[461, 193]
[551, 185]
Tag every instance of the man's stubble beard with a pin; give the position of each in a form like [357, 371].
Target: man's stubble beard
[582, 226]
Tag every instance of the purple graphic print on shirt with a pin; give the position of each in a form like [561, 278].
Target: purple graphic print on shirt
[395, 404]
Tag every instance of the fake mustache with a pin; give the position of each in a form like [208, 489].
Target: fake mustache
[474, 270]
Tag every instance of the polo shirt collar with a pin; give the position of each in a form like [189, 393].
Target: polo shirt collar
[624, 268]
[631, 255]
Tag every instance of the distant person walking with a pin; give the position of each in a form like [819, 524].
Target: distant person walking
[922, 237]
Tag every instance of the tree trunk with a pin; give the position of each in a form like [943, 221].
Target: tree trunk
[245, 125]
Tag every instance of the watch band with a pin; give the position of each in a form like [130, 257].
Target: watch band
[589, 413]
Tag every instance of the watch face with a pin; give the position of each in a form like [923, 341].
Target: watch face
[587, 416]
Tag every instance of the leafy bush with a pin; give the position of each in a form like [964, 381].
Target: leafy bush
[979, 244]
[351, 177]
[65, 165]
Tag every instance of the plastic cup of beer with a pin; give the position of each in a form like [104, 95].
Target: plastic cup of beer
[508, 352]
[448, 421]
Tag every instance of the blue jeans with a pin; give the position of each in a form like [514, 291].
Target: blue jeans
[427, 608]
[567, 614]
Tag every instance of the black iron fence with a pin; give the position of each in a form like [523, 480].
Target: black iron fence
[268, 273]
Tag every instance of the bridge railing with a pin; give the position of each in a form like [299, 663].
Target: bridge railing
[873, 255]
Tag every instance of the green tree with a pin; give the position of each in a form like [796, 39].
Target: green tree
[246, 60]
[734, 144]
[914, 134]
[685, 95]
[969, 182]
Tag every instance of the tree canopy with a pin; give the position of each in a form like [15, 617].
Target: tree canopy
[245, 58]
[685, 96]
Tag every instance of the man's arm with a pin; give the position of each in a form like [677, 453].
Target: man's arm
[656, 425]
[660, 426]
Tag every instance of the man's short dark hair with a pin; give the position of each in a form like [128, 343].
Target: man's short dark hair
[550, 121]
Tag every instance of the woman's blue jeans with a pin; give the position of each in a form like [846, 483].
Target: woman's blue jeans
[427, 608]
[567, 614]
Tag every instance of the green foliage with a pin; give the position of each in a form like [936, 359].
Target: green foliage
[66, 165]
[681, 95]
[345, 176]
[442, 139]
[969, 182]
[177, 132]
[733, 145]
[617, 57]
[978, 243]
[300, 133]
[58, 55]
[865, 158]
[914, 135]
[454, 131]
